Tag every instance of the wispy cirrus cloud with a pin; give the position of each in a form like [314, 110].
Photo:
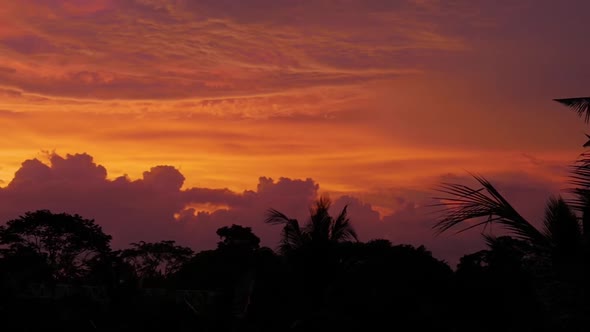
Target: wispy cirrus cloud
[185, 49]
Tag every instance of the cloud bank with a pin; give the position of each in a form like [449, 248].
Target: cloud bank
[157, 207]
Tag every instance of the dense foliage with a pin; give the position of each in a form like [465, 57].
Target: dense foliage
[330, 284]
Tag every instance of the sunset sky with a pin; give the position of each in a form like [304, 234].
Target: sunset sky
[171, 118]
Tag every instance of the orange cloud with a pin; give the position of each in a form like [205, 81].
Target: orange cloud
[168, 49]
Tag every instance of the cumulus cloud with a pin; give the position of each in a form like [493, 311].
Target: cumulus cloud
[155, 207]
[151, 208]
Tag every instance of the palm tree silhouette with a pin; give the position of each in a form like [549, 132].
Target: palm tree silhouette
[462, 204]
[321, 230]
[311, 253]
[560, 248]
[560, 235]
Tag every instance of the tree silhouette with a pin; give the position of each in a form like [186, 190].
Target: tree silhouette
[156, 260]
[561, 229]
[237, 237]
[378, 284]
[487, 206]
[498, 283]
[321, 230]
[560, 248]
[67, 243]
[311, 253]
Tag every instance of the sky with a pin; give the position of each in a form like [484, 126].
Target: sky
[167, 119]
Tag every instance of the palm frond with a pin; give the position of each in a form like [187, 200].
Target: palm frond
[275, 217]
[292, 237]
[580, 178]
[463, 204]
[320, 219]
[580, 105]
[491, 240]
[342, 229]
[561, 225]
[318, 233]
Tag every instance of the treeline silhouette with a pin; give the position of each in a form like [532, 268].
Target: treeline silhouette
[59, 273]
